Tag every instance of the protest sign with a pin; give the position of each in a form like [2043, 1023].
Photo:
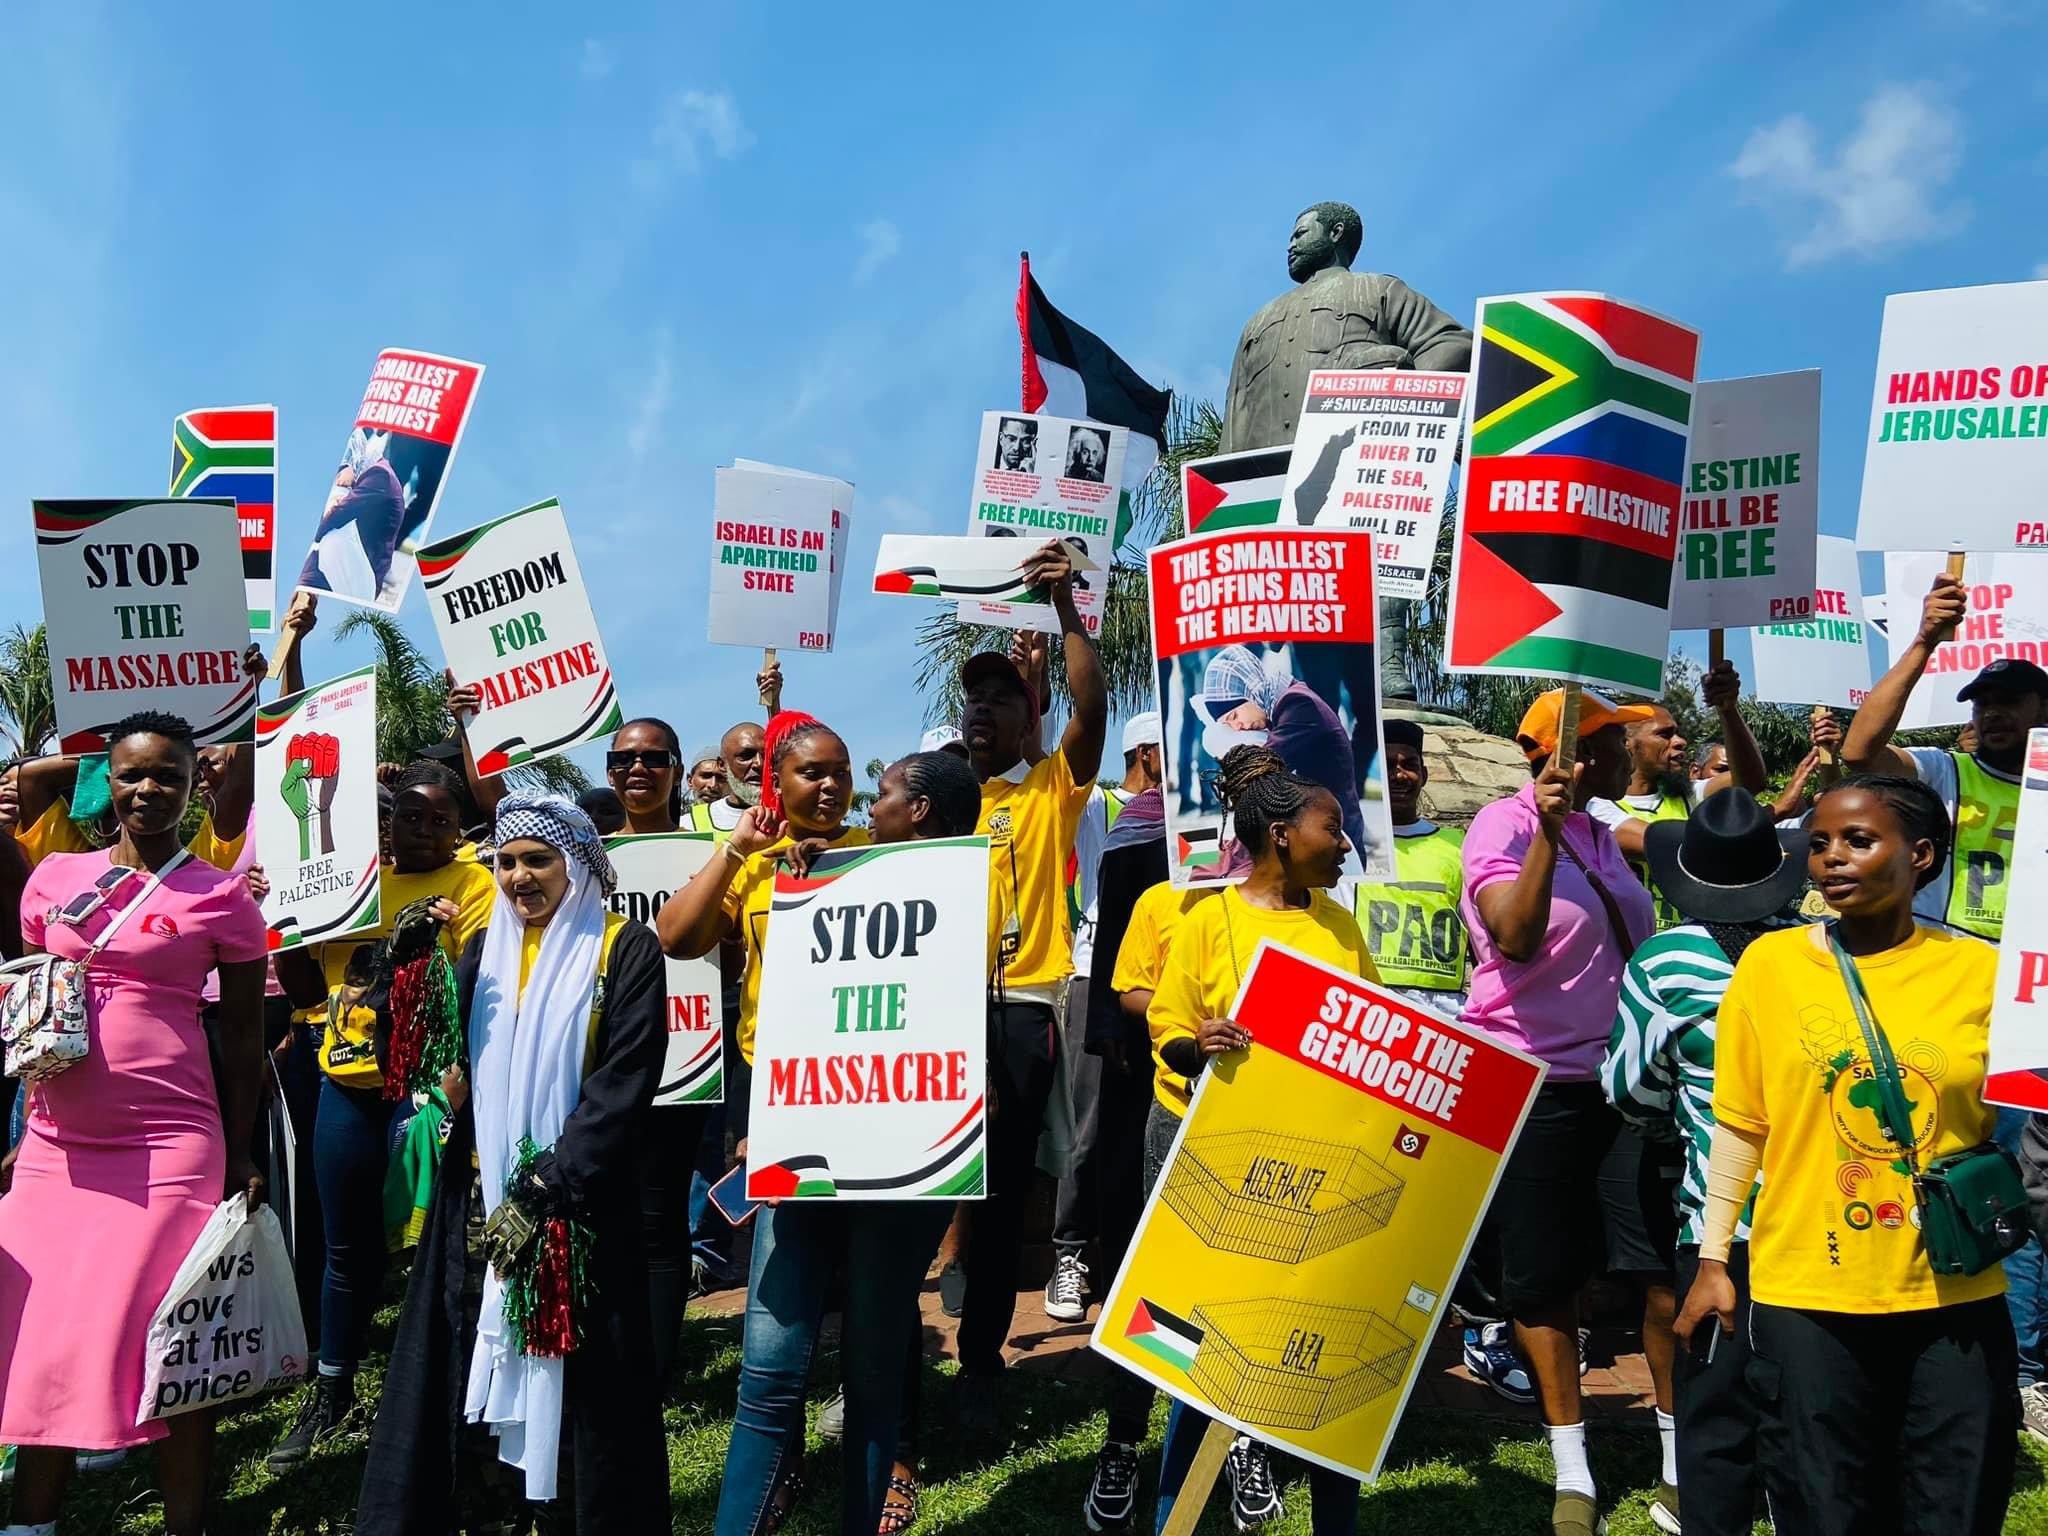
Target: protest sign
[316, 810]
[1825, 658]
[1958, 448]
[1373, 453]
[1233, 490]
[1575, 454]
[2007, 616]
[1268, 635]
[1300, 1245]
[1039, 478]
[773, 580]
[1752, 504]
[231, 451]
[393, 467]
[842, 513]
[952, 568]
[145, 609]
[869, 1073]
[514, 620]
[651, 868]
[2019, 1005]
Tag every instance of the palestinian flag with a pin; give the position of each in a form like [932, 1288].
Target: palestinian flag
[1234, 490]
[1070, 371]
[1159, 1333]
[1576, 454]
[1197, 849]
[232, 451]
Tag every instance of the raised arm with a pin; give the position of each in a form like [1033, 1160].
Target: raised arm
[464, 700]
[693, 921]
[1721, 690]
[1517, 912]
[1088, 722]
[1867, 747]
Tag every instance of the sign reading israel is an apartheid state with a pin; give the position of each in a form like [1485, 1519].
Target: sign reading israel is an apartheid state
[232, 451]
[145, 610]
[1575, 463]
[870, 1078]
[651, 868]
[1038, 478]
[316, 810]
[774, 580]
[1299, 1248]
[514, 620]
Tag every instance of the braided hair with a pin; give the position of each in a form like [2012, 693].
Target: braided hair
[1918, 808]
[154, 722]
[677, 765]
[428, 774]
[947, 783]
[1258, 789]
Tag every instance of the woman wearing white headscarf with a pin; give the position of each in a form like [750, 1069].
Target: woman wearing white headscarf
[519, 1373]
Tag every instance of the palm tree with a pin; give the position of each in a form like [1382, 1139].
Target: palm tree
[28, 704]
[412, 708]
[1193, 429]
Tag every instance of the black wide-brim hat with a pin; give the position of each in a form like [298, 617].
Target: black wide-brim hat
[1727, 862]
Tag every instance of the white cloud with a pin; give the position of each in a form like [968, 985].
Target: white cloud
[879, 242]
[651, 409]
[693, 124]
[1876, 190]
[2041, 269]
[597, 60]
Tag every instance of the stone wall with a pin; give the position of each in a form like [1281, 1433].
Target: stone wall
[1467, 769]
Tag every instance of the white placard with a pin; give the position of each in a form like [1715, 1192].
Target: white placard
[1373, 453]
[1958, 446]
[2019, 1006]
[1825, 658]
[1752, 504]
[316, 811]
[954, 568]
[773, 575]
[651, 868]
[871, 1044]
[842, 516]
[145, 609]
[2008, 616]
[1038, 478]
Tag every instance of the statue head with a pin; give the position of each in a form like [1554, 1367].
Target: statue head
[1326, 235]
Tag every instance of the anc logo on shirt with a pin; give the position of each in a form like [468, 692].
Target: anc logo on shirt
[999, 825]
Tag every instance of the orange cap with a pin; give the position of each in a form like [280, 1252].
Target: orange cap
[1537, 734]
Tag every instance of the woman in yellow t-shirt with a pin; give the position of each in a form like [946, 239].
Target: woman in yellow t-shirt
[1294, 831]
[1886, 1390]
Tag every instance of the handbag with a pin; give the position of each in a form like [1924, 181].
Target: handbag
[1973, 1204]
[43, 1008]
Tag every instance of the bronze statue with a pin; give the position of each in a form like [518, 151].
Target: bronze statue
[1335, 318]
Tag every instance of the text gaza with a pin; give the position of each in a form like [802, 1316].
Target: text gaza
[1357, 1037]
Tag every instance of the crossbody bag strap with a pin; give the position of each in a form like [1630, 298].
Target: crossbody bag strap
[114, 923]
[1893, 1111]
[1614, 917]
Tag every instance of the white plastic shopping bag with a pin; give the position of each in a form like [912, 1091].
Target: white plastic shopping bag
[229, 1327]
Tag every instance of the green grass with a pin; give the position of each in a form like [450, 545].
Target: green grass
[1466, 1474]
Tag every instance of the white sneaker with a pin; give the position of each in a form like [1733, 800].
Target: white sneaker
[2034, 1410]
[1254, 1496]
[1113, 1492]
[1066, 1293]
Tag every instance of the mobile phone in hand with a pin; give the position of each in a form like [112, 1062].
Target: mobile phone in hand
[729, 1194]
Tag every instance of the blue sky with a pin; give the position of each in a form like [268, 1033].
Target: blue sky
[677, 235]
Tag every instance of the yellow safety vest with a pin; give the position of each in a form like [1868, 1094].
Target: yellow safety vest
[700, 821]
[1986, 809]
[1669, 808]
[1412, 924]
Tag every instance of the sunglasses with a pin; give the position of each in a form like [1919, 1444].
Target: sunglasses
[82, 906]
[655, 758]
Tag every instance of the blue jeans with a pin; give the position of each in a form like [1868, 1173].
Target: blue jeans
[351, 1148]
[1332, 1497]
[885, 1248]
[710, 1233]
[2026, 1274]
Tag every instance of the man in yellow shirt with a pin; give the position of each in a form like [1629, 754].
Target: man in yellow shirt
[1030, 814]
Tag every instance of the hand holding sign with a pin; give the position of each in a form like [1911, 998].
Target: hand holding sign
[1942, 611]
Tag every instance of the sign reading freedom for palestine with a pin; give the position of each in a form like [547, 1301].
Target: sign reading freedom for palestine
[514, 620]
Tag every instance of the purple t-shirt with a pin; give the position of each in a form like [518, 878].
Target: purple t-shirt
[1560, 1004]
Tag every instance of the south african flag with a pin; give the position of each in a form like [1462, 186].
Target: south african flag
[232, 451]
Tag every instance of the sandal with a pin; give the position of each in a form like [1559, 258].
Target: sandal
[783, 1501]
[899, 1506]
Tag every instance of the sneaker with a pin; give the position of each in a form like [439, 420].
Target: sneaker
[832, 1418]
[99, 1461]
[1112, 1499]
[1254, 1497]
[1664, 1509]
[952, 1288]
[1575, 1515]
[1066, 1293]
[1585, 1337]
[2034, 1410]
[1490, 1355]
[323, 1404]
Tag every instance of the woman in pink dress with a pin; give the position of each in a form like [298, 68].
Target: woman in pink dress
[124, 1158]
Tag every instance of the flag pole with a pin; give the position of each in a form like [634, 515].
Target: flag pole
[771, 698]
[1955, 563]
[1717, 648]
[1568, 728]
[1201, 1479]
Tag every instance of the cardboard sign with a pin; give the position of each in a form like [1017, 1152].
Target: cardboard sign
[842, 514]
[1373, 454]
[918, 565]
[1268, 636]
[231, 451]
[316, 810]
[1752, 504]
[652, 867]
[871, 1048]
[1825, 658]
[1039, 478]
[145, 609]
[509, 606]
[1233, 490]
[1958, 448]
[2019, 1006]
[389, 481]
[2007, 616]
[774, 579]
[1298, 1251]
[1575, 458]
